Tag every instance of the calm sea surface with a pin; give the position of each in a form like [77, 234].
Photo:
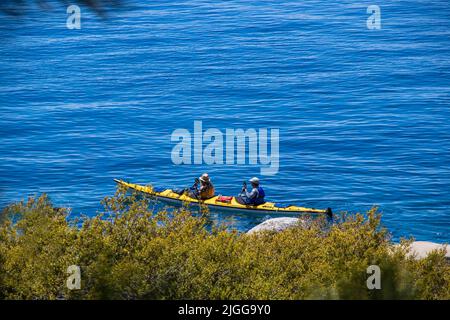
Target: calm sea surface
[363, 115]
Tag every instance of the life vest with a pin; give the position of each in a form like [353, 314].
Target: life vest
[207, 192]
[260, 198]
[261, 193]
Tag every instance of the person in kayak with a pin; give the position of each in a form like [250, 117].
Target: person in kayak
[206, 190]
[254, 197]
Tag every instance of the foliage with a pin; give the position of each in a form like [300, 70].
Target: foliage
[130, 252]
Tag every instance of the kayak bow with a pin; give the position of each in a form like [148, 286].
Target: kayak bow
[171, 197]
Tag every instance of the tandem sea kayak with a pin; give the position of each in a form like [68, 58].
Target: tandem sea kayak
[171, 197]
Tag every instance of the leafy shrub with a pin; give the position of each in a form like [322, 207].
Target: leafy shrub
[130, 252]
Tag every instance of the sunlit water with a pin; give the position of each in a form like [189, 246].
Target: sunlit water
[363, 114]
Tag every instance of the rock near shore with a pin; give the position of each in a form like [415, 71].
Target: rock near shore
[422, 248]
[277, 224]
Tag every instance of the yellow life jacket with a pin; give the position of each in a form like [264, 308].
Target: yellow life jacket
[207, 191]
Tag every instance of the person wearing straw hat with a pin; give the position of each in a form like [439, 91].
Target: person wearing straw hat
[254, 197]
[206, 190]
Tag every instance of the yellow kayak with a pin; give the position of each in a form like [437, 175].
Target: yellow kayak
[171, 197]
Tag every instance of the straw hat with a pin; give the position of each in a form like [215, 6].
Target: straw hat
[204, 177]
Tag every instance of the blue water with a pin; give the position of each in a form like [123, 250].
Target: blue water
[363, 114]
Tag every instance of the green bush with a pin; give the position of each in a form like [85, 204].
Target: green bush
[129, 252]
